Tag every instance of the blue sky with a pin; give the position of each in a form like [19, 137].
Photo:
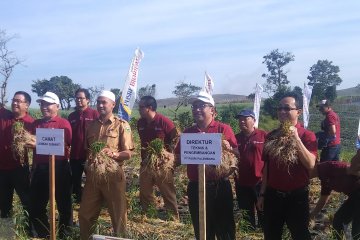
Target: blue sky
[92, 42]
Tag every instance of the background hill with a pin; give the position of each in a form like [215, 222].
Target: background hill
[354, 91]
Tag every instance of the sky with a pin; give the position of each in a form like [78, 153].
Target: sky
[92, 42]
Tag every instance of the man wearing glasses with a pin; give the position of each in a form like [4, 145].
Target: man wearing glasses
[284, 194]
[14, 170]
[79, 120]
[39, 187]
[219, 199]
[150, 126]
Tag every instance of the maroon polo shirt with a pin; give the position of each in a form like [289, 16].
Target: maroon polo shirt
[55, 122]
[79, 121]
[297, 176]
[332, 119]
[214, 127]
[7, 161]
[160, 127]
[250, 164]
[334, 177]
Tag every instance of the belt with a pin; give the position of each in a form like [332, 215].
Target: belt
[287, 193]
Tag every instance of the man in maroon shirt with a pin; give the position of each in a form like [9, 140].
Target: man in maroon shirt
[150, 126]
[79, 120]
[331, 127]
[219, 199]
[249, 175]
[284, 193]
[39, 186]
[14, 174]
[345, 178]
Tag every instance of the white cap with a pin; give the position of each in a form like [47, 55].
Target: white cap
[49, 97]
[108, 94]
[204, 97]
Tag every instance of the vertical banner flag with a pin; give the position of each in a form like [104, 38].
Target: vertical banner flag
[257, 103]
[208, 84]
[128, 95]
[358, 138]
[307, 91]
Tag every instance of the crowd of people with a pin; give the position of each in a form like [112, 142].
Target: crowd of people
[272, 176]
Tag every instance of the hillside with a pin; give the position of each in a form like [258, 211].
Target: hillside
[219, 98]
[354, 91]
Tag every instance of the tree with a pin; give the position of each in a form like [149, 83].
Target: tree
[251, 96]
[61, 86]
[272, 102]
[8, 61]
[322, 75]
[298, 90]
[94, 92]
[275, 62]
[330, 93]
[147, 91]
[184, 91]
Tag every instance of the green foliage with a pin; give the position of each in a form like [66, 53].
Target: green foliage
[322, 75]
[271, 103]
[147, 91]
[62, 86]
[185, 120]
[330, 93]
[184, 91]
[275, 62]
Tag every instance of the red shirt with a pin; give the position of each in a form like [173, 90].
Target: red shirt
[214, 127]
[160, 127]
[297, 176]
[7, 161]
[332, 119]
[55, 122]
[250, 164]
[333, 176]
[79, 121]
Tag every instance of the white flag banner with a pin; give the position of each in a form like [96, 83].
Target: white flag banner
[257, 103]
[359, 128]
[208, 84]
[307, 91]
[128, 95]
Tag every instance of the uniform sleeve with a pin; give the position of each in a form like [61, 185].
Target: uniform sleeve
[125, 137]
[332, 119]
[230, 136]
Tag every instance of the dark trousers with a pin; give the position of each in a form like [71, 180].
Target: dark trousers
[247, 199]
[39, 197]
[219, 209]
[330, 153]
[19, 180]
[348, 212]
[77, 169]
[291, 208]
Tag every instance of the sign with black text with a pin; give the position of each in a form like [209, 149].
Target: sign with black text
[200, 148]
[50, 141]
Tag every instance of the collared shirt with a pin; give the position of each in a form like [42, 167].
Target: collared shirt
[214, 127]
[160, 127]
[58, 123]
[296, 176]
[7, 161]
[332, 119]
[333, 176]
[79, 121]
[115, 132]
[250, 165]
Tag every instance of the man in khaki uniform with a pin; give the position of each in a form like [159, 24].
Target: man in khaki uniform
[116, 133]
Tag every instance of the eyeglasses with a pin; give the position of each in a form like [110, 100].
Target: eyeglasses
[80, 98]
[286, 109]
[199, 106]
[18, 101]
[46, 104]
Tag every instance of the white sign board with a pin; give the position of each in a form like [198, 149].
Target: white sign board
[50, 141]
[197, 148]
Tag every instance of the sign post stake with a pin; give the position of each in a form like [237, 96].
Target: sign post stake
[52, 196]
[202, 201]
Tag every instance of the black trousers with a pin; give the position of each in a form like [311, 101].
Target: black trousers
[291, 208]
[349, 212]
[39, 197]
[77, 169]
[219, 209]
[247, 199]
[10, 180]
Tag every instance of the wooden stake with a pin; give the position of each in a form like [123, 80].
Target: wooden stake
[202, 201]
[52, 197]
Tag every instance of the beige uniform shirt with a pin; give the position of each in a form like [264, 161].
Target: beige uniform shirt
[115, 132]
